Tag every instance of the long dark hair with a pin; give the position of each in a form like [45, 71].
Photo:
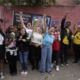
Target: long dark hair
[25, 32]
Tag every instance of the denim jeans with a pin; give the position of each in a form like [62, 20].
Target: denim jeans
[24, 60]
[46, 58]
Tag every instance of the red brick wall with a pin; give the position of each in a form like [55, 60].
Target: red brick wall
[57, 13]
[65, 2]
[6, 15]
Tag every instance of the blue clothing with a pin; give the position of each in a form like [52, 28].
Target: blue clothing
[48, 39]
[24, 60]
[46, 54]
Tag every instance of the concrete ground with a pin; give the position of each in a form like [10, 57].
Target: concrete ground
[72, 72]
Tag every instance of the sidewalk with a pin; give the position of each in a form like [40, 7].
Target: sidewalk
[72, 72]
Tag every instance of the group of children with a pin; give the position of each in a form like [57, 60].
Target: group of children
[38, 44]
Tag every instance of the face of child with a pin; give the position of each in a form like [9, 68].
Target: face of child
[37, 29]
[29, 25]
[39, 23]
[23, 31]
[68, 24]
[51, 30]
[12, 29]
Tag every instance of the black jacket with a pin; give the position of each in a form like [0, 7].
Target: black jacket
[23, 46]
[64, 32]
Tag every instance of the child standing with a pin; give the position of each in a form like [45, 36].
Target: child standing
[23, 50]
[11, 51]
[46, 52]
[55, 49]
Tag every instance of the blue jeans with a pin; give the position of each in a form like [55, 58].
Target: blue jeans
[24, 60]
[46, 54]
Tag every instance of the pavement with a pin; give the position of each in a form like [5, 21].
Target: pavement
[72, 72]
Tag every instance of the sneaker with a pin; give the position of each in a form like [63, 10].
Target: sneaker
[25, 72]
[15, 74]
[22, 72]
[1, 75]
[62, 65]
[75, 62]
[57, 68]
[42, 73]
[67, 64]
[51, 73]
[52, 65]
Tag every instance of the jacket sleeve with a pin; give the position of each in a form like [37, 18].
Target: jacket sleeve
[62, 23]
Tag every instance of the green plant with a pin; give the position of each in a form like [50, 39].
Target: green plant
[77, 1]
[28, 2]
[54, 1]
[35, 2]
[46, 78]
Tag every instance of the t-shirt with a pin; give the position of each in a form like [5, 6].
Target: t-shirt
[36, 38]
[55, 45]
[76, 39]
[29, 31]
[13, 43]
[48, 39]
[66, 37]
[22, 46]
